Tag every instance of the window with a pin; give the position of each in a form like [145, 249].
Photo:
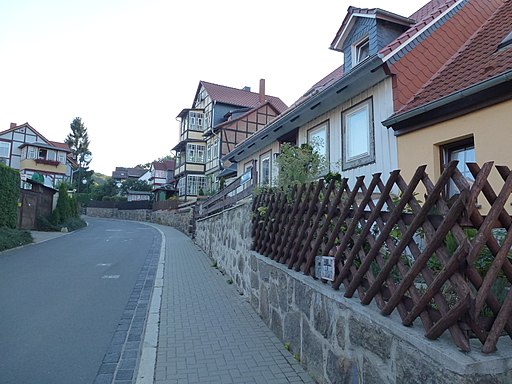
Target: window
[208, 152]
[61, 158]
[51, 155]
[5, 149]
[195, 153]
[215, 149]
[195, 121]
[265, 169]
[317, 138]
[42, 153]
[194, 184]
[31, 153]
[358, 136]
[360, 51]
[181, 186]
[464, 152]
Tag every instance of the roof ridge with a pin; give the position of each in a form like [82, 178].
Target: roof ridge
[31, 127]
[236, 89]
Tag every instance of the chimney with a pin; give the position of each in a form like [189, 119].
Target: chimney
[13, 125]
[262, 91]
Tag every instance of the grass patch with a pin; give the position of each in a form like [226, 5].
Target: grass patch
[12, 238]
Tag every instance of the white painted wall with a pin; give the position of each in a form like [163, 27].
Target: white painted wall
[386, 158]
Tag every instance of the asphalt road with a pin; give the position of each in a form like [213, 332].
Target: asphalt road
[61, 301]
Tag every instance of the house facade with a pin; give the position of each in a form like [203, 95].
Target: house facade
[22, 147]
[464, 111]
[467, 104]
[340, 115]
[220, 118]
[126, 173]
[162, 174]
[388, 59]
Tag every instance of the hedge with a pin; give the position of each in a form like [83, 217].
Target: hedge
[9, 196]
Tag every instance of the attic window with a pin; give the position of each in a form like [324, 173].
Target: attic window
[360, 51]
[507, 41]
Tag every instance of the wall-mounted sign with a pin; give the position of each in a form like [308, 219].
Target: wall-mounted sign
[324, 267]
[245, 177]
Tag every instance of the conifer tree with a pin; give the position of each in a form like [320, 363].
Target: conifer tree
[78, 142]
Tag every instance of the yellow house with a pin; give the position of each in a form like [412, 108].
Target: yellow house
[464, 112]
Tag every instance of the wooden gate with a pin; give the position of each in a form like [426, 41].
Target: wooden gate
[28, 209]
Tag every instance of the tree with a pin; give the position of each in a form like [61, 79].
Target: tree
[78, 142]
[134, 185]
[298, 165]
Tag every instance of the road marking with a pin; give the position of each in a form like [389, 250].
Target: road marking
[110, 276]
[104, 265]
[113, 230]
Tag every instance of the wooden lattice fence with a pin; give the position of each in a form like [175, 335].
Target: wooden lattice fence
[406, 246]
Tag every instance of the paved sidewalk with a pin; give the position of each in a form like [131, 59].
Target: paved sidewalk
[208, 332]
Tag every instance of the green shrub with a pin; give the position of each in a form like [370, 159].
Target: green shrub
[9, 196]
[74, 223]
[12, 238]
[43, 224]
[66, 208]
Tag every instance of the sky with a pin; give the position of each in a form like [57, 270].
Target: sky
[128, 67]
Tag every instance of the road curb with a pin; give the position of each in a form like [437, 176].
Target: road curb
[147, 363]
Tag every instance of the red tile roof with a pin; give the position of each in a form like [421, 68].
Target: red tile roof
[430, 55]
[62, 146]
[423, 17]
[478, 59]
[165, 165]
[26, 125]
[240, 97]
[322, 84]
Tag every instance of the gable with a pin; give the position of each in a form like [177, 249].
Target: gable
[363, 27]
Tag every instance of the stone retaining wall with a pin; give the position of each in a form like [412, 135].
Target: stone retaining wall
[180, 219]
[338, 340]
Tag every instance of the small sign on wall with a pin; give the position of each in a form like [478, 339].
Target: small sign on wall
[324, 267]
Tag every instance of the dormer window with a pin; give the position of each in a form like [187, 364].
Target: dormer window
[360, 51]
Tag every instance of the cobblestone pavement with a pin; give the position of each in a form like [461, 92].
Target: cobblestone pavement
[208, 332]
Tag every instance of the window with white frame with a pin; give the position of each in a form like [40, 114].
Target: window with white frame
[5, 149]
[318, 139]
[265, 169]
[31, 153]
[215, 149]
[464, 152]
[181, 186]
[358, 136]
[196, 120]
[360, 51]
[195, 183]
[51, 155]
[208, 152]
[61, 158]
[195, 153]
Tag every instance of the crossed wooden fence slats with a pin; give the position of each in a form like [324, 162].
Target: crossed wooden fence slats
[435, 258]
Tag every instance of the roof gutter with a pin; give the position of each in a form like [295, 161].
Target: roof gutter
[397, 122]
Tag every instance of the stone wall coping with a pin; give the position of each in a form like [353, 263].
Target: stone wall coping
[237, 205]
[442, 351]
